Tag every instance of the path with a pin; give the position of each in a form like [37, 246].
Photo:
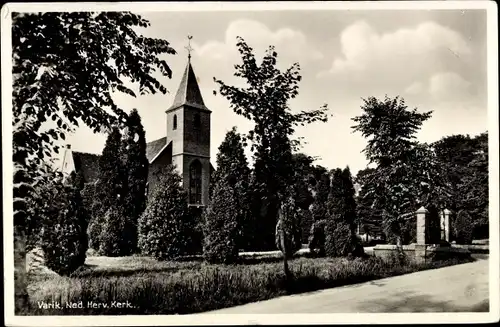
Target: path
[460, 288]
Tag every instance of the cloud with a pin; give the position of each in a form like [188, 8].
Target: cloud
[362, 46]
[396, 60]
[291, 44]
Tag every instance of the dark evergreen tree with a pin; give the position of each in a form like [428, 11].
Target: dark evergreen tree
[164, 229]
[221, 225]
[369, 215]
[340, 238]
[232, 169]
[111, 187]
[136, 163]
[64, 235]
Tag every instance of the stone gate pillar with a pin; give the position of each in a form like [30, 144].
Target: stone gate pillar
[421, 217]
[420, 247]
[446, 225]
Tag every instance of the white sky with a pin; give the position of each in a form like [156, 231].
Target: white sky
[435, 60]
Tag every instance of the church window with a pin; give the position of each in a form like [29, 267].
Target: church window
[175, 122]
[195, 182]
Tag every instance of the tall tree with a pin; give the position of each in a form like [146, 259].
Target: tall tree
[164, 227]
[65, 67]
[232, 169]
[136, 163]
[369, 215]
[65, 229]
[391, 128]
[221, 226]
[111, 185]
[340, 225]
[265, 102]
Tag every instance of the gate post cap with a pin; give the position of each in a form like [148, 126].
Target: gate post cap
[422, 210]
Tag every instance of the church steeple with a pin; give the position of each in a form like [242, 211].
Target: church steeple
[188, 93]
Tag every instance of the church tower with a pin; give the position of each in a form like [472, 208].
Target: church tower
[188, 127]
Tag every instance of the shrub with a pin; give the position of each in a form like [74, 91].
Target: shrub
[289, 222]
[163, 231]
[111, 239]
[220, 228]
[317, 238]
[463, 227]
[64, 234]
[340, 241]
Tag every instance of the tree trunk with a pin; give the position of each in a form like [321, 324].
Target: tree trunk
[285, 253]
[20, 284]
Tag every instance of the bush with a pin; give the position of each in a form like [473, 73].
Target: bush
[163, 227]
[340, 241]
[64, 239]
[220, 228]
[289, 222]
[111, 240]
[317, 238]
[463, 227]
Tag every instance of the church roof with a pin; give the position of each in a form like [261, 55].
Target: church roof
[154, 147]
[88, 164]
[189, 92]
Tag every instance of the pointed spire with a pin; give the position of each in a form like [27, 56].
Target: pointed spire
[189, 92]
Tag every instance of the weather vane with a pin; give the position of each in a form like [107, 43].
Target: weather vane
[189, 48]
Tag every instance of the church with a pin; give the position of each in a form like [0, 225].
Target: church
[186, 144]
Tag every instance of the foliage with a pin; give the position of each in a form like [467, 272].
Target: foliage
[39, 205]
[190, 287]
[111, 190]
[163, 228]
[288, 231]
[319, 208]
[463, 228]
[111, 240]
[390, 128]
[265, 102]
[340, 239]
[465, 165]
[136, 163]
[221, 225]
[369, 215]
[317, 238]
[232, 168]
[64, 236]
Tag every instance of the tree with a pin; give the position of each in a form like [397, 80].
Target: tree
[163, 228]
[65, 230]
[463, 230]
[390, 128]
[369, 215]
[111, 187]
[65, 68]
[465, 167]
[136, 163]
[232, 168]
[221, 225]
[340, 239]
[265, 102]
[319, 210]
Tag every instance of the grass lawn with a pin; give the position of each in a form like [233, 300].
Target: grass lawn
[153, 287]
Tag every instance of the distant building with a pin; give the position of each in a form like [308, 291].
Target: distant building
[186, 144]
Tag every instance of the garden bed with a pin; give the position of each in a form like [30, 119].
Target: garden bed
[145, 286]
